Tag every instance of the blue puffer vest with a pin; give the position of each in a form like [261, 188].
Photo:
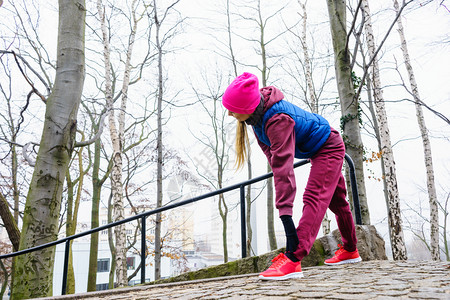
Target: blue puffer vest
[311, 130]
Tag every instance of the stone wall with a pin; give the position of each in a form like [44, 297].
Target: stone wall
[370, 246]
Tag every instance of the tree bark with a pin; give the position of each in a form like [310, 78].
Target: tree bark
[432, 198]
[394, 214]
[350, 109]
[33, 274]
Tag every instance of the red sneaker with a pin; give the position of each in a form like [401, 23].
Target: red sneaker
[343, 256]
[282, 268]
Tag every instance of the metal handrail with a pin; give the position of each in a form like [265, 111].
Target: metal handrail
[144, 215]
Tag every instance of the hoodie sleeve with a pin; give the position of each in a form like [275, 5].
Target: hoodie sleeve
[280, 131]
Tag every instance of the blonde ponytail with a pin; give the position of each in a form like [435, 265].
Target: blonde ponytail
[242, 144]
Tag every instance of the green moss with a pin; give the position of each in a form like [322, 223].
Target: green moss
[319, 248]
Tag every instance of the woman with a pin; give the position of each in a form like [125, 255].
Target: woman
[285, 131]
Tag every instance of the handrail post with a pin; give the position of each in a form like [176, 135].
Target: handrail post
[143, 248]
[354, 185]
[66, 268]
[243, 223]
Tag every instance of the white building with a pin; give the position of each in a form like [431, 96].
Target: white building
[80, 252]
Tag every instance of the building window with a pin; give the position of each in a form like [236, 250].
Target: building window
[103, 265]
[130, 263]
[129, 231]
[101, 286]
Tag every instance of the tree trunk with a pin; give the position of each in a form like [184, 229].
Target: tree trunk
[117, 139]
[232, 56]
[350, 109]
[377, 134]
[248, 207]
[270, 213]
[14, 168]
[97, 184]
[159, 179]
[116, 173]
[248, 196]
[12, 229]
[96, 191]
[93, 249]
[5, 278]
[73, 204]
[112, 248]
[160, 40]
[69, 231]
[446, 243]
[394, 216]
[376, 128]
[223, 210]
[34, 271]
[270, 200]
[312, 101]
[434, 210]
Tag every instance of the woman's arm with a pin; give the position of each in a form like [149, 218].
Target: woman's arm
[280, 131]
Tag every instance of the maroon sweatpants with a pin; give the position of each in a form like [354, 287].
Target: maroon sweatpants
[326, 189]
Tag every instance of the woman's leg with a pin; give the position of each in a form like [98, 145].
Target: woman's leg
[341, 208]
[323, 179]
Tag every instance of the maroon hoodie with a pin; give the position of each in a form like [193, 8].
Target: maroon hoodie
[280, 131]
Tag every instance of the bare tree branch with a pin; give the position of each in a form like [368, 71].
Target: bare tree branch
[353, 25]
[97, 135]
[25, 154]
[366, 71]
[34, 90]
[10, 224]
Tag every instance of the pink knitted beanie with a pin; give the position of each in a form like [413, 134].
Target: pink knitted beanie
[242, 95]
